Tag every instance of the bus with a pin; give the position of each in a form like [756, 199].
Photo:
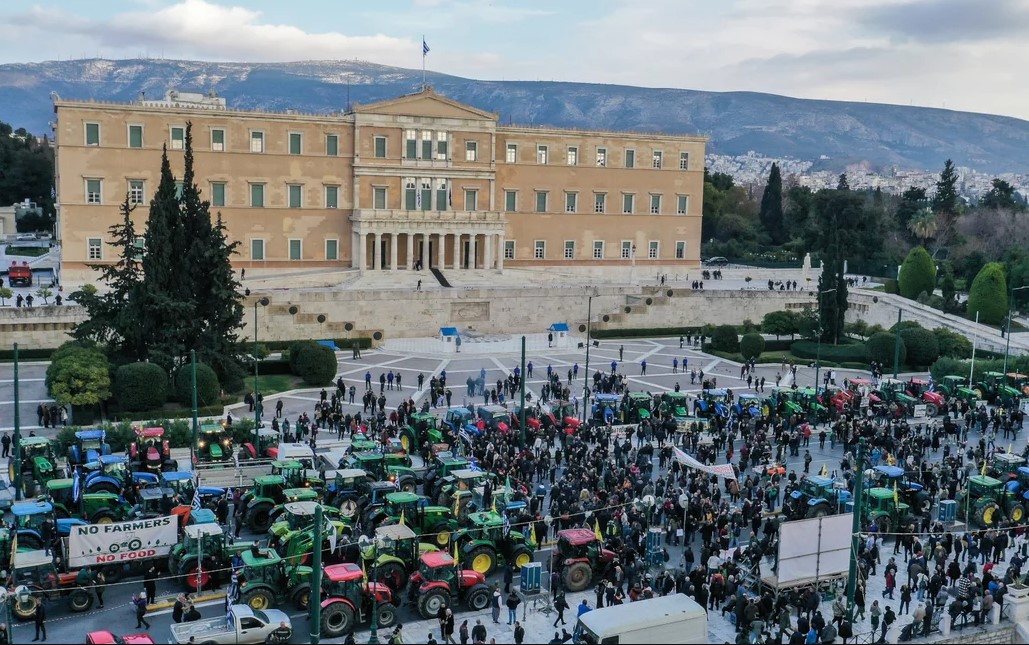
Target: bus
[675, 618]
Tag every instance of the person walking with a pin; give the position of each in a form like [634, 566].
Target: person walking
[100, 586]
[448, 626]
[519, 633]
[560, 605]
[150, 584]
[141, 602]
[40, 620]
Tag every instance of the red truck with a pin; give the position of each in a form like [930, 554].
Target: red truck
[19, 275]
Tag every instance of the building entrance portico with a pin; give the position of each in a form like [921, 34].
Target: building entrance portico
[390, 240]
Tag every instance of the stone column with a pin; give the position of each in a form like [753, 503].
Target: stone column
[500, 252]
[423, 254]
[394, 243]
[457, 251]
[441, 251]
[488, 253]
[377, 253]
[357, 253]
[410, 251]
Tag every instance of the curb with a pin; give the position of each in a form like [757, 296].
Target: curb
[170, 602]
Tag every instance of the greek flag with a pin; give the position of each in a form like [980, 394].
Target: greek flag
[196, 494]
[425, 47]
[418, 200]
[75, 490]
[507, 523]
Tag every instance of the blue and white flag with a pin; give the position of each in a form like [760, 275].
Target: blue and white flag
[425, 47]
[507, 523]
[196, 494]
[75, 487]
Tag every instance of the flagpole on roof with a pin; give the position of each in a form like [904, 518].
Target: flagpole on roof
[425, 51]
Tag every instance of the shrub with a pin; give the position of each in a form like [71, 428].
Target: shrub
[748, 326]
[208, 388]
[849, 352]
[917, 274]
[857, 328]
[79, 375]
[922, 348]
[315, 363]
[952, 344]
[880, 348]
[725, 339]
[989, 295]
[295, 349]
[140, 386]
[947, 366]
[751, 345]
[780, 323]
[890, 286]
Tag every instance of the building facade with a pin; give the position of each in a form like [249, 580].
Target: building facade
[415, 182]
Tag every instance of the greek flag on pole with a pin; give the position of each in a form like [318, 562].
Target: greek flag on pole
[425, 47]
[75, 490]
[196, 494]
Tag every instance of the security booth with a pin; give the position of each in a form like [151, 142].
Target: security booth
[557, 334]
[450, 338]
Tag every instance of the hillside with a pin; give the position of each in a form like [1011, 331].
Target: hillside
[736, 122]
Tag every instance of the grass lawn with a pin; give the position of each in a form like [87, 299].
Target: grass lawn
[271, 384]
[27, 251]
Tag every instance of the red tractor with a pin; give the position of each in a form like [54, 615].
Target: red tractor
[438, 582]
[151, 451]
[582, 557]
[347, 600]
[934, 401]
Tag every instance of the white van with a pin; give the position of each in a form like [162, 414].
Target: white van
[675, 618]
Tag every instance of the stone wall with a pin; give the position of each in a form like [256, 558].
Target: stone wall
[1003, 634]
[38, 327]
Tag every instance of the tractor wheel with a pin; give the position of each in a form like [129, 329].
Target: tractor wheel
[103, 516]
[522, 556]
[392, 575]
[429, 603]
[482, 560]
[985, 514]
[259, 518]
[103, 487]
[302, 596]
[1016, 513]
[408, 485]
[441, 534]
[196, 578]
[578, 576]
[80, 600]
[337, 620]
[478, 597]
[817, 511]
[349, 508]
[113, 573]
[387, 615]
[931, 410]
[26, 609]
[258, 599]
[406, 441]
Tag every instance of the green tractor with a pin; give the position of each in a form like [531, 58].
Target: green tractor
[391, 554]
[35, 572]
[266, 581]
[783, 401]
[292, 495]
[294, 535]
[95, 508]
[457, 490]
[441, 467]
[983, 500]
[391, 466]
[638, 406]
[487, 544]
[413, 510]
[881, 506]
[38, 460]
[996, 391]
[893, 393]
[348, 600]
[267, 492]
[203, 558]
[296, 475]
[423, 429]
[957, 386]
[675, 404]
[214, 444]
[809, 400]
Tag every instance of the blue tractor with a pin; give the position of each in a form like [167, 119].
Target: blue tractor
[911, 492]
[747, 405]
[108, 474]
[91, 447]
[816, 496]
[712, 403]
[28, 523]
[182, 484]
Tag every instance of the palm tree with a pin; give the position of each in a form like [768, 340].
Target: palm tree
[924, 225]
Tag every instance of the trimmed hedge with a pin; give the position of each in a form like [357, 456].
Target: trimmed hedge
[881, 347]
[917, 274]
[140, 386]
[725, 339]
[315, 363]
[921, 344]
[808, 349]
[26, 353]
[342, 343]
[751, 345]
[638, 332]
[208, 388]
[989, 295]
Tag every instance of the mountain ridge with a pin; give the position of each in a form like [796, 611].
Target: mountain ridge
[883, 135]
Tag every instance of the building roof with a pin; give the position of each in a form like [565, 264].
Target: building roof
[421, 102]
[395, 532]
[86, 435]
[343, 572]
[448, 331]
[558, 327]
[196, 531]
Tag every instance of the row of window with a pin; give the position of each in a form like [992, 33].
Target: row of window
[95, 249]
[177, 139]
[419, 194]
[418, 145]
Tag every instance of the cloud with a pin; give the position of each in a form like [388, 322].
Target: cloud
[940, 21]
[201, 29]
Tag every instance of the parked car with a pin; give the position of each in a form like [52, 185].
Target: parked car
[717, 261]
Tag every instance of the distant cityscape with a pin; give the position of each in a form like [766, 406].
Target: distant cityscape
[752, 169]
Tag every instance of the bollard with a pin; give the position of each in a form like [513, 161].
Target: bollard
[945, 622]
[995, 614]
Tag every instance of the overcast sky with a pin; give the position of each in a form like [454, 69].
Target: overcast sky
[958, 54]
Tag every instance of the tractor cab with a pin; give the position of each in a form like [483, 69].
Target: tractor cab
[676, 404]
[638, 406]
[457, 488]
[1019, 382]
[91, 445]
[438, 566]
[496, 417]
[1004, 466]
[214, 443]
[423, 429]
[885, 507]
[270, 487]
[28, 523]
[606, 408]
[295, 474]
[406, 504]
[576, 544]
[183, 482]
[503, 499]
[266, 567]
[151, 451]
[562, 414]
[748, 404]
[110, 473]
[38, 458]
[713, 402]
[151, 501]
[265, 445]
[35, 569]
[458, 419]
[344, 580]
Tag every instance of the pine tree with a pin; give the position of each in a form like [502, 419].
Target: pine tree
[946, 200]
[771, 213]
[842, 183]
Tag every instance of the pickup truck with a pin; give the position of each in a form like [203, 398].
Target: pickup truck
[240, 624]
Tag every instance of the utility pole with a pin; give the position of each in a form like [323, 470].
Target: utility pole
[818, 350]
[521, 412]
[316, 578]
[196, 423]
[896, 345]
[586, 371]
[17, 436]
[855, 530]
[1007, 342]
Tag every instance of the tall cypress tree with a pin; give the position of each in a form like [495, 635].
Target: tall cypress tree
[945, 200]
[771, 207]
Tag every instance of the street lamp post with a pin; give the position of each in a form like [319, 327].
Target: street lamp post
[257, 408]
[586, 371]
[17, 435]
[818, 350]
[1007, 341]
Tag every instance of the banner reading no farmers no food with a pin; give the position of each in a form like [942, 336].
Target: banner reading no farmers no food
[99, 544]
